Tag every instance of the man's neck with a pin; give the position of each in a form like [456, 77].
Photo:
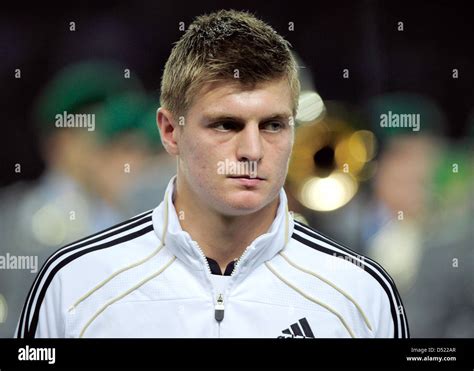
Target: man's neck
[222, 238]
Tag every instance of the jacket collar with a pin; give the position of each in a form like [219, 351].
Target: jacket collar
[180, 243]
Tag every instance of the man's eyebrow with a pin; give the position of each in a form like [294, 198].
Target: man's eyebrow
[225, 117]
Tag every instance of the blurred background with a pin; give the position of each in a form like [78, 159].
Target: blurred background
[400, 195]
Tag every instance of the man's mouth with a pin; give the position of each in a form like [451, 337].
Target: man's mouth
[247, 181]
[246, 176]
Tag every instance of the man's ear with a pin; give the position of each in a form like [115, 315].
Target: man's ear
[168, 130]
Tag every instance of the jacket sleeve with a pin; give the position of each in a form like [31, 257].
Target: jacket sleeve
[46, 317]
[391, 321]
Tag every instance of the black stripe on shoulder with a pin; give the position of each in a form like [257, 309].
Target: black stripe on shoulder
[31, 330]
[34, 321]
[123, 227]
[146, 214]
[368, 265]
[139, 219]
[368, 269]
[318, 235]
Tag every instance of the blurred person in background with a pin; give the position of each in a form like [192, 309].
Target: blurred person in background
[94, 174]
[394, 220]
[401, 193]
[420, 221]
[440, 298]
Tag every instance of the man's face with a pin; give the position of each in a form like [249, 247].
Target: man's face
[235, 145]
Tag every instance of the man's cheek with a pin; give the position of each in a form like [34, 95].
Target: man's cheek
[281, 156]
[201, 164]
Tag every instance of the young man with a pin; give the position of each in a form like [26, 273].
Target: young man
[221, 256]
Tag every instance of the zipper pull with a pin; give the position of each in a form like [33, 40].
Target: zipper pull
[219, 308]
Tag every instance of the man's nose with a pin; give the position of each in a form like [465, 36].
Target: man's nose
[249, 144]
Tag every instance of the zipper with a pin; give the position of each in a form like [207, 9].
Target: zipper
[219, 308]
[219, 313]
[203, 256]
[219, 305]
[240, 259]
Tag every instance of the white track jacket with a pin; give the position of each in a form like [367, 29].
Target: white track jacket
[146, 277]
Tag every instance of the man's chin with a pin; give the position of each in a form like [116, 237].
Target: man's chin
[243, 204]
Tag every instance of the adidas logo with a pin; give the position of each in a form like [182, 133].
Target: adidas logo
[300, 329]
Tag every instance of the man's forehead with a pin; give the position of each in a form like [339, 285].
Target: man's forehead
[214, 115]
[230, 86]
[223, 98]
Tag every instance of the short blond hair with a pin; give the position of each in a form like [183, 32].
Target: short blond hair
[217, 45]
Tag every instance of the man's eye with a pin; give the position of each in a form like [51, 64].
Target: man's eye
[273, 126]
[223, 126]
